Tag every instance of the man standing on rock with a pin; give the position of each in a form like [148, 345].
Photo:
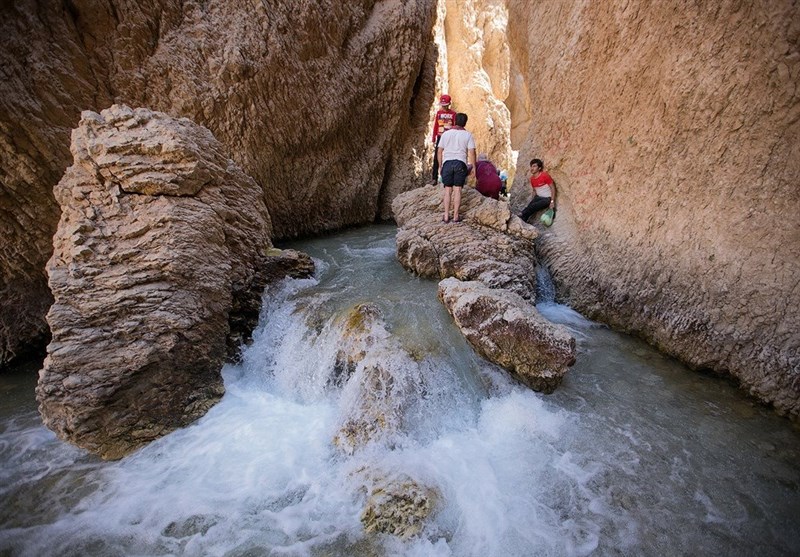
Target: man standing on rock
[544, 190]
[457, 154]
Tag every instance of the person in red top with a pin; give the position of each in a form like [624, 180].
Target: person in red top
[487, 177]
[544, 190]
[445, 119]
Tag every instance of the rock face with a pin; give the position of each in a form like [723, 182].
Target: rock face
[490, 245]
[322, 103]
[509, 331]
[159, 233]
[672, 131]
[478, 62]
[489, 259]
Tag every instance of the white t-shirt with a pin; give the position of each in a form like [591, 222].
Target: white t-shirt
[455, 143]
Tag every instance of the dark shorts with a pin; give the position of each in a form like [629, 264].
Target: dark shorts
[454, 173]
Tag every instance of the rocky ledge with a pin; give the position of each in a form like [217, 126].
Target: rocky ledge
[489, 266]
[490, 244]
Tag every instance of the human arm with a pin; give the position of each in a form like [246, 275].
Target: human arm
[439, 156]
[471, 159]
[553, 197]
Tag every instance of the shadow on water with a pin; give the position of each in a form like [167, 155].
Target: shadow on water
[632, 455]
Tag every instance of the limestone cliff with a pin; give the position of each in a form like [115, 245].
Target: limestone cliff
[673, 132]
[313, 99]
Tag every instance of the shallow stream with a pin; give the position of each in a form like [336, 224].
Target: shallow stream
[632, 455]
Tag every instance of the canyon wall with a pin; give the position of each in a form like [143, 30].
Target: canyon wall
[672, 130]
[318, 101]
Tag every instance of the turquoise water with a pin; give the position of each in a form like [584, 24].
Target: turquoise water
[632, 455]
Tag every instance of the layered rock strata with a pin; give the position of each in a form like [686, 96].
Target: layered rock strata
[488, 265]
[160, 233]
[324, 104]
[672, 131]
[490, 244]
[508, 330]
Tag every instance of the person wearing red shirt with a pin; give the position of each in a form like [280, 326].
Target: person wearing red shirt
[487, 178]
[445, 119]
[544, 190]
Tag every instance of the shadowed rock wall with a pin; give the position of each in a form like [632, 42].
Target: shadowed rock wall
[673, 132]
[311, 98]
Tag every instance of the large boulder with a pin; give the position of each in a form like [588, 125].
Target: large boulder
[491, 244]
[160, 233]
[508, 330]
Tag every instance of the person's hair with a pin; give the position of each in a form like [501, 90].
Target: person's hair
[538, 162]
[483, 157]
[461, 119]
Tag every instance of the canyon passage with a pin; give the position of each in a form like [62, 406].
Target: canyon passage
[633, 454]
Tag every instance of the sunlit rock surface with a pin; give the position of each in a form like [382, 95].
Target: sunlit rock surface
[160, 232]
[674, 137]
[490, 244]
[508, 330]
[322, 103]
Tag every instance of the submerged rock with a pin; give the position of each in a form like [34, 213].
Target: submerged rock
[508, 330]
[398, 506]
[377, 377]
[160, 236]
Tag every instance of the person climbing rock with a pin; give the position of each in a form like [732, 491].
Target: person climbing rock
[457, 152]
[487, 177]
[445, 119]
[544, 190]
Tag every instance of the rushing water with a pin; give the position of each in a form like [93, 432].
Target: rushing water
[633, 454]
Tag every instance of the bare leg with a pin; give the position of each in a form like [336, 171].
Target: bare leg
[456, 201]
[447, 203]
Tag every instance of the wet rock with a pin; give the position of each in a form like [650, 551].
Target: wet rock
[397, 505]
[160, 233]
[379, 381]
[246, 309]
[508, 330]
[490, 245]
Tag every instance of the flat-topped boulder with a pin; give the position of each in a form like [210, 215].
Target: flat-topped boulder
[508, 330]
[490, 244]
[163, 242]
